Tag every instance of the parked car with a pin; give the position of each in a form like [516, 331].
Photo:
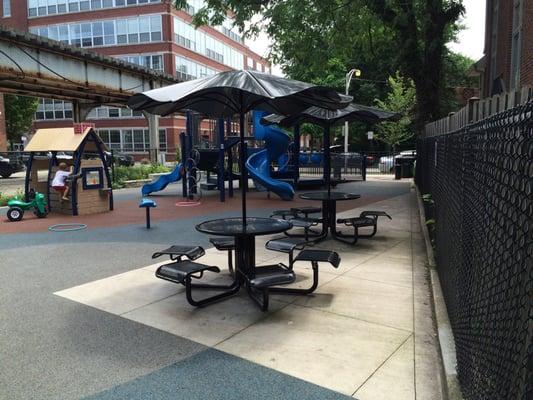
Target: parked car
[10, 166]
[386, 164]
[121, 159]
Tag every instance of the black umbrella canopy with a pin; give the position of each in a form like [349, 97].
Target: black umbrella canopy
[237, 92]
[324, 117]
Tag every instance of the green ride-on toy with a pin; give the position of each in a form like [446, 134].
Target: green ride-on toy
[17, 207]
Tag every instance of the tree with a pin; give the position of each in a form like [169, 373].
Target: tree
[19, 113]
[421, 29]
[377, 36]
[401, 99]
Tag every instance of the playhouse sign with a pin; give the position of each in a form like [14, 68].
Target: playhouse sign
[81, 127]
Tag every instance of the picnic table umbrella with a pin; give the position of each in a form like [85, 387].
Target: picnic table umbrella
[327, 118]
[237, 92]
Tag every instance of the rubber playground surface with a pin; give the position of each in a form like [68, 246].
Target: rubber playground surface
[82, 315]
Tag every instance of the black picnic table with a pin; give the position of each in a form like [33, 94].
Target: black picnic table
[244, 237]
[329, 209]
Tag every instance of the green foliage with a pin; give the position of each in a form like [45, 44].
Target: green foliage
[401, 99]
[19, 113]
[455, 69]
[320, 40]
[4, 198]
[123, 173]
[427, 198]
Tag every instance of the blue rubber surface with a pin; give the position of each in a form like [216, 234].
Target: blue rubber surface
[212, 374]
[162, 182]
[258, 164]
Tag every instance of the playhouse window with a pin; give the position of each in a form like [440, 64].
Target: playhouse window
[93, 178]
[42, 175]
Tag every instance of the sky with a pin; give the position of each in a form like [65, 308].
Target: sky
[470, 40]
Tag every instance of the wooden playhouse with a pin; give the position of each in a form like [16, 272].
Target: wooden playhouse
[79, 147]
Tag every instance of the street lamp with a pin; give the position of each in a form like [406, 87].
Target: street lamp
[349, 75]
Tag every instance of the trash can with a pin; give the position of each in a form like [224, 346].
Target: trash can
[407, 163]
[397, 168]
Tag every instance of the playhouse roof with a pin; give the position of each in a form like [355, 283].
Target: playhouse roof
[58, 139]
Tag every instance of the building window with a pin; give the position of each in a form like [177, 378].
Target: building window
[197, 40]
[150, 61]
[105, 112]
[187, 70]
[6, 8]
[105, 33]
[53, 109]
[37, 8]
[516, 49]
[227, 29]
[136, 140]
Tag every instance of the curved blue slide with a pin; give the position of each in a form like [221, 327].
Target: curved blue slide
[258, 164]
[162, 182]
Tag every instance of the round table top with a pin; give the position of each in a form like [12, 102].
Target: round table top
[333, 196]
[255, 226]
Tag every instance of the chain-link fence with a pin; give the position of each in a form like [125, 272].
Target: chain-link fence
[480, 179]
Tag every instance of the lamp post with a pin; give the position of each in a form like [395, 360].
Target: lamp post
[349, 75]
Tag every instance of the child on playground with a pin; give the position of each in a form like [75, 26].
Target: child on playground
[59, 183]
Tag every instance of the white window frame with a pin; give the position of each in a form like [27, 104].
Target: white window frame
[6, 8]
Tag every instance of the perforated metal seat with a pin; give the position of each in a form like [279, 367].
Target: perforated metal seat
[365, 219]
[180, 271]
[177, 251]
[284, 214]
[273, 279]
[267, 277]
[287, 245]
[225, 244]
[184, 271]
[357, 221]
[316, 256]
[306, 210]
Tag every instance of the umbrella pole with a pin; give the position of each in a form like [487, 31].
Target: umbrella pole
[243, 168]
[327, 160]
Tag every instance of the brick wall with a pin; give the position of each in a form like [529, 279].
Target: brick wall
[3, 133]
[19, 15]
[504, 45]
[505, 40]
[526, 66]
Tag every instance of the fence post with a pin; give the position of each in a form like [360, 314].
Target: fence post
[471, 106]
[184, 158]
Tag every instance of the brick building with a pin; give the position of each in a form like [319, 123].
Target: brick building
[151, 33]
[508, 61]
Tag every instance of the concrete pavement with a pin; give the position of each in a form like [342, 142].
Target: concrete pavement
[83, 315]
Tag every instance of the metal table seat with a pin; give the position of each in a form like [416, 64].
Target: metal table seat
[183, 272]
[255, 279]
[329, 210]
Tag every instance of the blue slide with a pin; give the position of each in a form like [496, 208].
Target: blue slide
[162, 182]
[258, 164]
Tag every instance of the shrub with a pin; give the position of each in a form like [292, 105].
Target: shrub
[123, 173]
[4, 198]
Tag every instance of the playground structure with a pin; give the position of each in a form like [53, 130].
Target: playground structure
[91, 191]
[274, 167]
[259, 164]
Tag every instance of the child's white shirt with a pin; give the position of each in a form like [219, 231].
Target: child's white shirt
[60, 177]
